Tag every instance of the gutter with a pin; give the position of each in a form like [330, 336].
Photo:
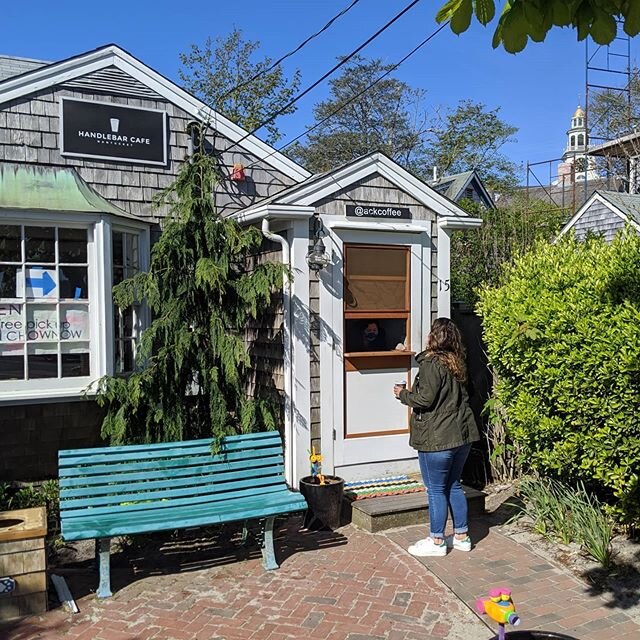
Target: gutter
[288, 351]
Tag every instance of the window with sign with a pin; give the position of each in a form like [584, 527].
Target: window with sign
[127, 322]
[45, 300]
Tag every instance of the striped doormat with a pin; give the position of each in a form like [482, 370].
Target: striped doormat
[378, 487]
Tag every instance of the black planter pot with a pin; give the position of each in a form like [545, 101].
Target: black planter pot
[324, 500]
[535, 635]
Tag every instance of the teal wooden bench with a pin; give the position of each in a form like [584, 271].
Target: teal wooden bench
[115, 491]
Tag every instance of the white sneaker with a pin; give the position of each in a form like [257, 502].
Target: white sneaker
[460, 545]
[427, 547]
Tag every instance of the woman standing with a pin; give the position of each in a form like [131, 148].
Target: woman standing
[442, 429]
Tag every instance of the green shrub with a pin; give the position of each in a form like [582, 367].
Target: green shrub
[562, 330]
[568, 514]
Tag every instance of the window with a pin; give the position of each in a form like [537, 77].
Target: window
[580, 140]
[376, 298]
[573, 141]
[127, 323]
[45, 303]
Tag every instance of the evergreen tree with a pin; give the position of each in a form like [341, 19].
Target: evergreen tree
[202, 289]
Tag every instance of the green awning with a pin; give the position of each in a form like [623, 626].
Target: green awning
[54, 189]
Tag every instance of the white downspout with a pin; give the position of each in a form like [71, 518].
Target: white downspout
[288, 352]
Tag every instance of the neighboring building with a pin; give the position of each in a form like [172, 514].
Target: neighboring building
[464, 186]
[605, 213]
[576, 165]
[85, 145]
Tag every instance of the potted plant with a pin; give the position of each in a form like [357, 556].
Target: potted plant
[323, 494]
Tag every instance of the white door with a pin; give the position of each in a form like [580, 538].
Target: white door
[379, 284]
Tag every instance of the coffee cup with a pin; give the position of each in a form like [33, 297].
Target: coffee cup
[401, 383]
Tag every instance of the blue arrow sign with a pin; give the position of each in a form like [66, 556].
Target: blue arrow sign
[46, 283]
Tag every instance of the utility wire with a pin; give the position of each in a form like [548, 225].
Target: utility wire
[288, 55]
[354, 97]
[342, 62]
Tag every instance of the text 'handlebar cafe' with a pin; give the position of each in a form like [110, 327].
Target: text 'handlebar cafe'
[85, 145]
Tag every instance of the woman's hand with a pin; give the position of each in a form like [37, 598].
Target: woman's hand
[397, 388]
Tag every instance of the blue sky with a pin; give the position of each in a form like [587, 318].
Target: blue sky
[537, 90]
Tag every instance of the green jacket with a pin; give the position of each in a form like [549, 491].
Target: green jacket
[441, 417]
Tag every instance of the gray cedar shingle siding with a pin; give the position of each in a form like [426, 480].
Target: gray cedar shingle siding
[11, 66]
[598, 218]
[264, 339]
[29, 132]
[375, 190]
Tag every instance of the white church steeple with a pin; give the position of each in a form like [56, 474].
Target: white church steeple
[576, 165]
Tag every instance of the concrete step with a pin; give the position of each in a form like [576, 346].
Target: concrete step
[387, 512]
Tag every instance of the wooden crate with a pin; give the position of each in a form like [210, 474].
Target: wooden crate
[23, 558]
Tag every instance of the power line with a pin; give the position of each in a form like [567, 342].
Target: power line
[288, 55]
[356, 96]
[342, 62]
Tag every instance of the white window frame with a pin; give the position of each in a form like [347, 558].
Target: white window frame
[143, 316]
[100, 271]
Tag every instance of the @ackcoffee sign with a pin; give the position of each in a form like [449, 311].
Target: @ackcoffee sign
[113, 132]
[369, 211]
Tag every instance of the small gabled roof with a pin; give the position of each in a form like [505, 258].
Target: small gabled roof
[453, 186]
[324, 185]
[625, 205]
[14, 66]
[47, 76]
[26, 187]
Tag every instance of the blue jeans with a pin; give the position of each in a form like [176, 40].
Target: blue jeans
[441, 471]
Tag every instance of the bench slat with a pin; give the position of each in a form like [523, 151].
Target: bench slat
[152, 464]
[169, 519]
[208, 490]
[239, 441]
[141, 506]
[191, 476]
[107, 457]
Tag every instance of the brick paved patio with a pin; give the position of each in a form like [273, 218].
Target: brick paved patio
[347, 585]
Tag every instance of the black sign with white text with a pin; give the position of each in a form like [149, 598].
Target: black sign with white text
[113, 132]
[370, 211]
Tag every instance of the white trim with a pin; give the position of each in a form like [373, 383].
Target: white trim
[585, 207]
[444, 272]
[165, 140]
[272, 211]
[325, 186]
[340, 223]
[92, 61]
[458, 223]
[300, 350]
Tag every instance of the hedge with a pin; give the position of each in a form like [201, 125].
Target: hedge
[562, 329]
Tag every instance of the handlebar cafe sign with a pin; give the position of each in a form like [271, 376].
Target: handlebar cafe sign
[112, 132]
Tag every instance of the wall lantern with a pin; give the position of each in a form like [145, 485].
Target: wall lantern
[317, 258]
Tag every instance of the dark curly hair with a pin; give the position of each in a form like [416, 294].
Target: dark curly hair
[444, 344]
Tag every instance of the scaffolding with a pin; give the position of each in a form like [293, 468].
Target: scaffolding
[608, 73]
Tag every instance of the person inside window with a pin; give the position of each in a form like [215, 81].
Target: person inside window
[373, 337]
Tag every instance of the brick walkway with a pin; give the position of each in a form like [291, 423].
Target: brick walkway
[548, 597]
[349, 585]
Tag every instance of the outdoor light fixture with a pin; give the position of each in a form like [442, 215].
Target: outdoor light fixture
[317, 257]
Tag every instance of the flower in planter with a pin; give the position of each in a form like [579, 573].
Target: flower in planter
[315, 459]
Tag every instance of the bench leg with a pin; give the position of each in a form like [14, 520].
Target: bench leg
[103, 547]
[268, 553]
[245, 533]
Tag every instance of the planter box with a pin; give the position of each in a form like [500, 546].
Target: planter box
[23, 558]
